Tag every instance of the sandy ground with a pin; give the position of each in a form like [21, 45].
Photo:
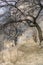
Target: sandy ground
[30, 54]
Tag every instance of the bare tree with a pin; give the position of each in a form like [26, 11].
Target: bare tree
[22, 10]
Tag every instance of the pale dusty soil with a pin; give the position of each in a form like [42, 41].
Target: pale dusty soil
[29, 54]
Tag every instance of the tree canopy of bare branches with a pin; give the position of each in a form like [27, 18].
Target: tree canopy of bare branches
[15, 11]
